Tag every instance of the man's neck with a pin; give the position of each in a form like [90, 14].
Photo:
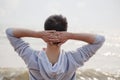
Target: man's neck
[52, 52]
[53, 49]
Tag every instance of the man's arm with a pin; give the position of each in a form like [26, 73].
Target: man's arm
[82, 54]
[89, 38]
[19, 33]
[47, 36]
[20, 46]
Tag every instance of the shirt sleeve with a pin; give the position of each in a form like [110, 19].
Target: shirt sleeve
[83, 53]
[20, 46]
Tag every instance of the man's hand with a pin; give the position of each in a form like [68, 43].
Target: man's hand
[50, 36]
[55, 37]
[63, 37]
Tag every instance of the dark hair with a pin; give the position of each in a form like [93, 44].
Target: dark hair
[56, 22]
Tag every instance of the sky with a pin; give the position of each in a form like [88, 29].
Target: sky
[87, 14]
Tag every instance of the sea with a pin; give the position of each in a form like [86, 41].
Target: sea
[104, 65]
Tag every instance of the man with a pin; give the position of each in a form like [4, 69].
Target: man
[53, 63]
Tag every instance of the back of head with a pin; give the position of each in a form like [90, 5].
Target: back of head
[56, 22]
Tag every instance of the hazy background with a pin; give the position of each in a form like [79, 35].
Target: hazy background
[95, 16]
[99, 14]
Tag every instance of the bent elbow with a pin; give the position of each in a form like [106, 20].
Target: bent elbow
[100, 39]
[9, 31]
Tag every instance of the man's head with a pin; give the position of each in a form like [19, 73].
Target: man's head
[56, 22]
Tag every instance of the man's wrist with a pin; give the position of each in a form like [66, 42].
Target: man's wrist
[38, 34]
[70, 35]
